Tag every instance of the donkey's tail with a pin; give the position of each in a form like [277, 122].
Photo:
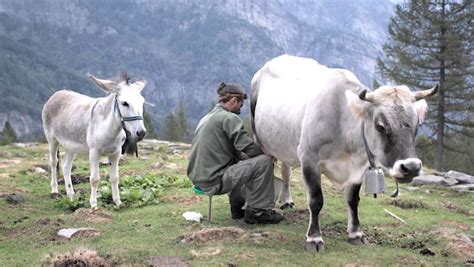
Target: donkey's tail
[57, 163]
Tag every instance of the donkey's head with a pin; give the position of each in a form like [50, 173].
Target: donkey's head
[128, 104]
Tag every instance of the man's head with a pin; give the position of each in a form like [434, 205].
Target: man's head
[231, 96]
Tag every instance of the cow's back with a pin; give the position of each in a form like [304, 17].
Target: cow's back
[290, 92]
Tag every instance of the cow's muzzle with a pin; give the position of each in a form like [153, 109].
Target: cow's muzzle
[403, 171]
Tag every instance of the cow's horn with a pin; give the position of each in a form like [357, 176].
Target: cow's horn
[425, 93]
[369, 97]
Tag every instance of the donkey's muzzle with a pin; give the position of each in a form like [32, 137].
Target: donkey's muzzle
[140, 135]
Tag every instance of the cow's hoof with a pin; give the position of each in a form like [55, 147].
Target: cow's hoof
[314, 247]
[359, 240]
[55, 195]
[118, 204]
[287, 205]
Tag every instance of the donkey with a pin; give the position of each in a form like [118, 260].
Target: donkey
[97, 126]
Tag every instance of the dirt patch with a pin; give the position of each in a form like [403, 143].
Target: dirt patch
[297, 215]
[79, 257]
[76, 180]
[459, 244]
[93, 215]
[165, 261]
[211, 235]
[47, 222]
[457, 209]
[259, 237]
[4, 163]
[388, 235]
[409, 204]
[187, 201]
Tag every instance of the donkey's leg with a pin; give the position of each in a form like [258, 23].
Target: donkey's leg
[53, 162]
[356, 236]
[312, 177]
[114, 177]
[94, 157]
[285, 195]
[67, 165]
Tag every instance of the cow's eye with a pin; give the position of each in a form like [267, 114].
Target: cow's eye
[125, 104]
[380, 128]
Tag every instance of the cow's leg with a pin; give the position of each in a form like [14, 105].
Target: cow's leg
[312, 177]
[67, 166]
[95, 177]
[53, 163]
[356, 236]
[114, 178]
[285, 195]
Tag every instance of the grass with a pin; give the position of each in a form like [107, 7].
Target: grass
[435, 218]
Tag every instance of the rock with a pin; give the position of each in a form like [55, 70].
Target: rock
[449, 182]
[72, 232]
[428, 179]
[14, 199]
[464, 187]
[156, 165]
[39, 170]
[462, 178]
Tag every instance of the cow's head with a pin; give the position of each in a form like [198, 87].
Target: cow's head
[391, 117]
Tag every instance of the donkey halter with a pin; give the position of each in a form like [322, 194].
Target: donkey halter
[122, 118]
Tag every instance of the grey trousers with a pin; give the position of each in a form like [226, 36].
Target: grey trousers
[253, 179]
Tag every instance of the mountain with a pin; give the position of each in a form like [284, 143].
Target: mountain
[183, 48]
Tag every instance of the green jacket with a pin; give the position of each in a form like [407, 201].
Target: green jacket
[218, 141]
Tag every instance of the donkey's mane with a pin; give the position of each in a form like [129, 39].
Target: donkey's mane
[124, 77]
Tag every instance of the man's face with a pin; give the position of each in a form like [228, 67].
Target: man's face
[236, 105]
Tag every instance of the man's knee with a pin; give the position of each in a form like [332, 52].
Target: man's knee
[265, 162]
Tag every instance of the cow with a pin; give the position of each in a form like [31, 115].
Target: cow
[304, 113]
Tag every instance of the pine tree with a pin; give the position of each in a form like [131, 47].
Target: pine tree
[171, 128]
[150, 130]
[9, 135]
[182, 121]
[431, 43]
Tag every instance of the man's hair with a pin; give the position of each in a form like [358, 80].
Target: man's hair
[227, 91]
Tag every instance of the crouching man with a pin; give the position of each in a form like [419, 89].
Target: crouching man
[225, 160]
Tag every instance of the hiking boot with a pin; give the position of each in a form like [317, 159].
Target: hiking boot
[237, 212]
[267, 216]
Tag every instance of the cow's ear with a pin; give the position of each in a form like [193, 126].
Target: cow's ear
[421, 107]
[355, 103]
[106, 85]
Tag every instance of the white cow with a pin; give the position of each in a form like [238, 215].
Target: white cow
[307, 114]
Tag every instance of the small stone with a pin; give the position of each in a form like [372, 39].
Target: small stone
[427, 252]
[39, 170]
[14, 199]
[156, 165]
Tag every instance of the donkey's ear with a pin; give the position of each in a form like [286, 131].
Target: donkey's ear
[140, 84]
[106, 85]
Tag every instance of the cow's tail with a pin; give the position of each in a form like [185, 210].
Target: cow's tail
[254, 87]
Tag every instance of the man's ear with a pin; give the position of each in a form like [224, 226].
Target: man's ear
[421, 107]
[356, 105]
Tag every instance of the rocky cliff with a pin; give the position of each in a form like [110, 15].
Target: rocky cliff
[183, 48]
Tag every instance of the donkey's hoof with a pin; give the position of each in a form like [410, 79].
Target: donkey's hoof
[287, 205]
[314, 247]
[55, 195]
[359, 240]
[118, 204]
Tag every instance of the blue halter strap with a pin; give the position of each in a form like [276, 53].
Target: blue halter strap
[122, 118]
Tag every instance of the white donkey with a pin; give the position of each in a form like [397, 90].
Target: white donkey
[97, 126]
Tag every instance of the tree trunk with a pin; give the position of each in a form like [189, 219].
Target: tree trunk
[440, 117]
